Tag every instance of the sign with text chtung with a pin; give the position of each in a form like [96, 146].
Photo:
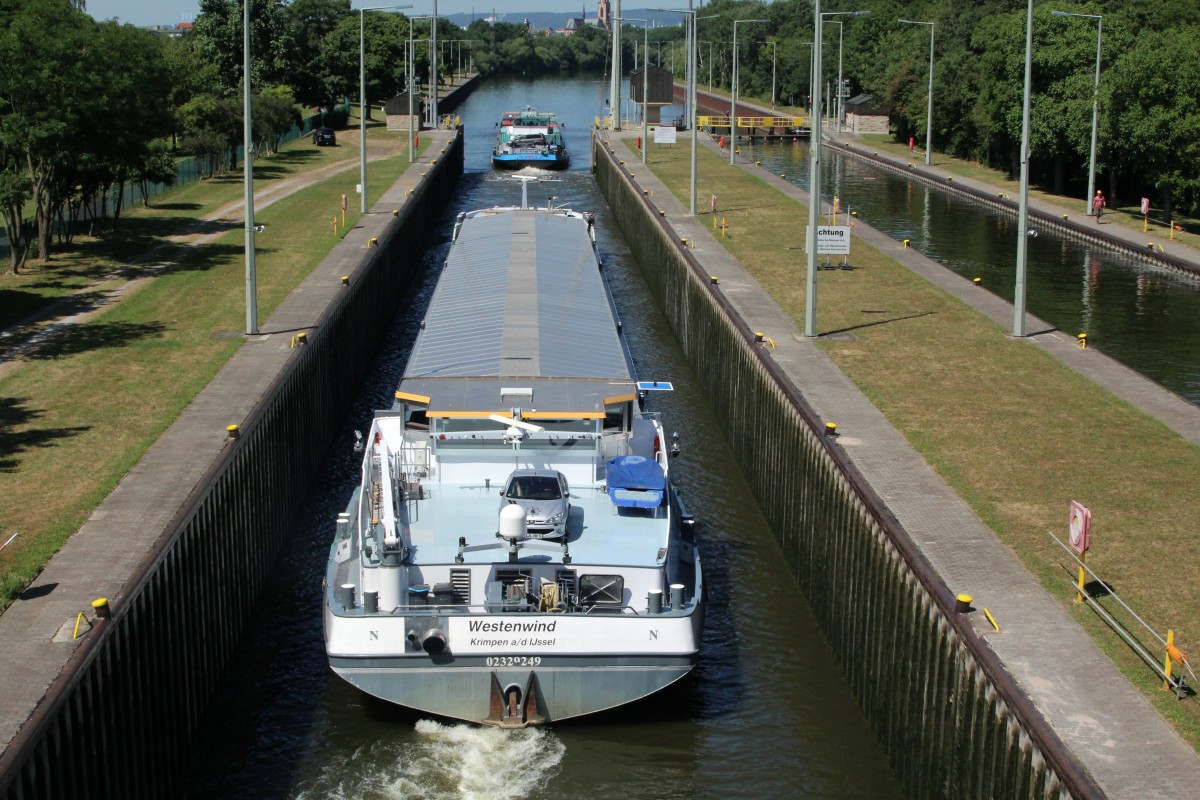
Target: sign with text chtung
[833, 240]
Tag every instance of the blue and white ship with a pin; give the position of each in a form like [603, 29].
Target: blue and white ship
[516, 552]
[529, 138]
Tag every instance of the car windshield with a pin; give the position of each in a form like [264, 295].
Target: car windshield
[533, 487]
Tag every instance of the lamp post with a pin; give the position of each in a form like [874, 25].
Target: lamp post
[1091, 190]
[248, 177]
[710, 61]
[411, 68]
[614, 89]
[734, 86]
[1023, 210]
[814, 167]
[645, 75]
[362, 101]
[691, 20]
[929, 106]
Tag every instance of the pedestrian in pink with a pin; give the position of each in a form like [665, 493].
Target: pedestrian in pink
[1098, 204]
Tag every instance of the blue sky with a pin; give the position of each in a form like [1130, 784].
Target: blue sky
[171, 12]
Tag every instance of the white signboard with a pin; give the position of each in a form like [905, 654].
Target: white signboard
[664, 134]
[833, 240]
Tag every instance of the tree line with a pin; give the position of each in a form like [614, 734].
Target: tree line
[1149, 94]
[87, 106]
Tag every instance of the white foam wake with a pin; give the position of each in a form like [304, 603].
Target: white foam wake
[444, 762]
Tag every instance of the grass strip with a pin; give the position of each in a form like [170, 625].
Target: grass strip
[1012, 430]
[85, 406]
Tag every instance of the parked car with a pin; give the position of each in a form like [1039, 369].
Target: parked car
[544, 495]
[324, 136]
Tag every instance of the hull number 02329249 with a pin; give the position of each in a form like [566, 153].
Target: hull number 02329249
[514, 661]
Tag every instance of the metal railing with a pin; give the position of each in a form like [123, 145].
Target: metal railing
[187, 170]
[1175, 683]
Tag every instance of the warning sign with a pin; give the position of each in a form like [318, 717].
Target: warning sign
[833, 240]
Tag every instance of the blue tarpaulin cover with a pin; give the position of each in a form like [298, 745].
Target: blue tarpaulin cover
[635, 482]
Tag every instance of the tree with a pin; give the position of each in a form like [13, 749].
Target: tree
[274, 115]
[219, 35]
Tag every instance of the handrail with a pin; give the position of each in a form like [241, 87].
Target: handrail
[1116, 626]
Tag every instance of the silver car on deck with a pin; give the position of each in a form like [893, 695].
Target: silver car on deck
[544, 495]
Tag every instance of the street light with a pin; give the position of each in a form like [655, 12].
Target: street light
[362, 100]
[645, 75]
[614, 89]
[710, 61]
[1023, 209]
[929, 107]
[734, 86]
[814, 166]
[839, 23]
[248, 179]
[691, 21]
[410, 68]
[1091, 190]
[773, 49]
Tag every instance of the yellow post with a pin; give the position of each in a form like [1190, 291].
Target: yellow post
[343, 217]
[1172, 230]
[1145, 223]
[335, 226]
[1167, 660]
[722, 227]
[1079, 595]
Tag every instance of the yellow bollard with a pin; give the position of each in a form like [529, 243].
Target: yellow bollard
[233, 431]
[1082, 339]
[758, 336]
[343, 216]
[345, 280]
[1066, 216]
[100, 606]
[977, 281]
[722, 227]
[373, 241]
[831, 429]
[962, 603]
[906, 244]
[1079, 582]
[1172, 230]
[662, 213]
[712, 279]
[395, 212]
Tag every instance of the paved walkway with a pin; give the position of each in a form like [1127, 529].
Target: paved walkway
[98, 560]
[1129, 749]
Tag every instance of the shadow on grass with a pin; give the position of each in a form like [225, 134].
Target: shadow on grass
[17, 435]
[93, 336]
[887, 321]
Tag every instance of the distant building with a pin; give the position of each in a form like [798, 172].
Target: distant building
[604, 14]
[866, 114]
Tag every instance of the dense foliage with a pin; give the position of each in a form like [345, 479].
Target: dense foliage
[1149, 97]
[86, 106]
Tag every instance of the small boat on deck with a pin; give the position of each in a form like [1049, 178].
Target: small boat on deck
[516, 552]
[529, 138]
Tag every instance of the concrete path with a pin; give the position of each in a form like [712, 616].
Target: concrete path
[1129, 749]
[97, 561]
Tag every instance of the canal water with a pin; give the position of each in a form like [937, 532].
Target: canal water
[1145, 316]
[765, 714]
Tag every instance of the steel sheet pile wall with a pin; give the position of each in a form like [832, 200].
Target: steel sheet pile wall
[118, 720]
[951, 719]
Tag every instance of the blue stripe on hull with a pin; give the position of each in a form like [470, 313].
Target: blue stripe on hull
[517, 162]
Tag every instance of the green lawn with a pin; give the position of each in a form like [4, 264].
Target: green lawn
[80, 410]
[1013, 431]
